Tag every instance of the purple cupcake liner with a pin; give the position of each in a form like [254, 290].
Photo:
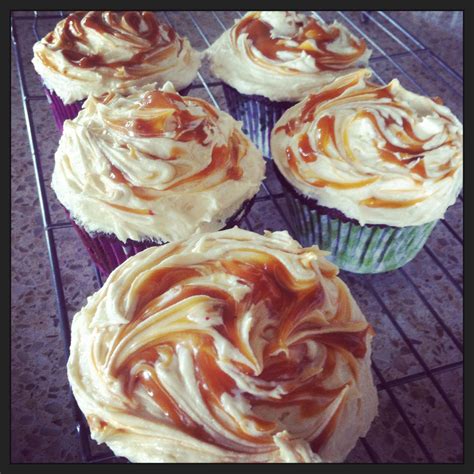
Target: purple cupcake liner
[108, 252]
[258, 114]
[62, 112]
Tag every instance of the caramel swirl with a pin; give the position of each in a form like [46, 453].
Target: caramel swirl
[305, 34]
[285, 55]
[100, 50]
[372, 151]
[159, 164]
[237, 347]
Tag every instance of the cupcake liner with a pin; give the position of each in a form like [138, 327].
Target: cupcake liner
[258, 114]
[62, 112]
[354, 248]
[108, 252]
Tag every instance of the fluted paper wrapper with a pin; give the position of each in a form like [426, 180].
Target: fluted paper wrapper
[258, 114]
[62, 112]
[108, 252]
[354, 248]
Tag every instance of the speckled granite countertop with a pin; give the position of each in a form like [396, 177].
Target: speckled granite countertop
[416, 311]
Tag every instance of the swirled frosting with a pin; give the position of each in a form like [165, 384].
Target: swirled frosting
[228, 347]
[95, 52]
[284, 55]
[152, 164]
[379, 154]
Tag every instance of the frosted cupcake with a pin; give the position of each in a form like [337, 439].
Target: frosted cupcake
[370, 170]
[269, 60]
[91, 53]
[152, 166]
[228, 347]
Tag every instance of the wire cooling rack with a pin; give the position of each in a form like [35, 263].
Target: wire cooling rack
[396, 53]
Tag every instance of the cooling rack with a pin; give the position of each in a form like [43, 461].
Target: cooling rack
[396, 53]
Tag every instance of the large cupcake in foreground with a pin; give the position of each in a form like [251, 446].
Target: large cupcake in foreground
[226, 347]
[370, 169]
[152, 166]
[91, 53]
[269, 60]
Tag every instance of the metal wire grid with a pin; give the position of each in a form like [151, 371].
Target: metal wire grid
[272, 197]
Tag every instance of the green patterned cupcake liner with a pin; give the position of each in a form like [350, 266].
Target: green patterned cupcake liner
[356, 248]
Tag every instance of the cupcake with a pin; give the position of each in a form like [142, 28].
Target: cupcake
[272, 59]
[152, 166]
[369, 168]
[91, 53]
[227, 347]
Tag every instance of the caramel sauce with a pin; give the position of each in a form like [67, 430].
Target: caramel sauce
[213, 383]
[96, 423]
[172, 116]
[161, 100]
[290, 304]
[223, 157]
[143, 212]
[259, 34]
[321, 183]
[314, 100]
[326, 132]
[448, 174]
[117, 176]
[124, 26]
[390, 157]
[353, 342]
[186, 126]
[158, 283]
[305, 150]
[419, 168]
[315, 31]
[401, 155]
[412, 152]
[47, 62]
[169, 407]
[374, 202]
[289, 128]
[318, 442]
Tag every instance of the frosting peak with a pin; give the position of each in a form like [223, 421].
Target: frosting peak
[284, 24]
[152, 164]
[172, 361]
[378, 153]
[97, 51]
[284, 55]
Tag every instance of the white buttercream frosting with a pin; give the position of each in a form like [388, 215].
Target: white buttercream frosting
[90, 53]
[227, 347]
[153, 165]
[379, 154]
[284, 55]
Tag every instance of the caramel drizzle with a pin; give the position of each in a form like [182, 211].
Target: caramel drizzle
[259, 35]
[291, 305]
[171, 109]
[374, 202]
[322, 183]
[409, 155]
[154, 44]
